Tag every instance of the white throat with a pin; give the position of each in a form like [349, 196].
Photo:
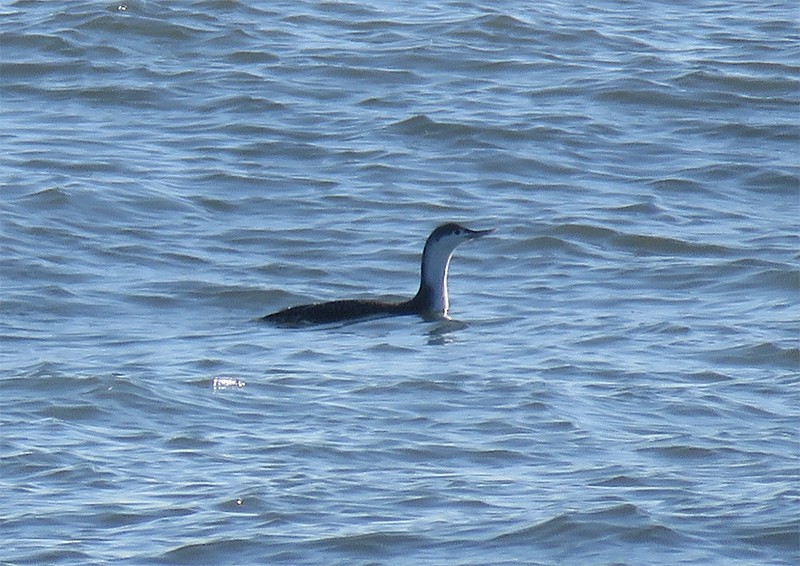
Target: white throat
[434, 275]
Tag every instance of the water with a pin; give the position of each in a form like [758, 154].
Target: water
[619, 384]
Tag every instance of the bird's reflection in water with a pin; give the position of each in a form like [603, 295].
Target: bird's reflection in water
[443, 332]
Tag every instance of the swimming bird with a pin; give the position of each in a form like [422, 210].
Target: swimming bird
[431, 300]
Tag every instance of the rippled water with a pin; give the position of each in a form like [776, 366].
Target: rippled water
[620, 380]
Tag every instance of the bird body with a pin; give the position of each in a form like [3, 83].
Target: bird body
[431, 300]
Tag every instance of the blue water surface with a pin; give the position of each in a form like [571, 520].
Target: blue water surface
[619, 380]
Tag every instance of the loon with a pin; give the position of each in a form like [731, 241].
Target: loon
[431, 300]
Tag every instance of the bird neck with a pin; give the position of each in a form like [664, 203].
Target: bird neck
[432, 296]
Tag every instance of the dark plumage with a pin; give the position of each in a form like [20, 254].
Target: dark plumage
[431, 299]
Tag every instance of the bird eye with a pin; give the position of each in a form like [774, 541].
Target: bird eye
[458, 232]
